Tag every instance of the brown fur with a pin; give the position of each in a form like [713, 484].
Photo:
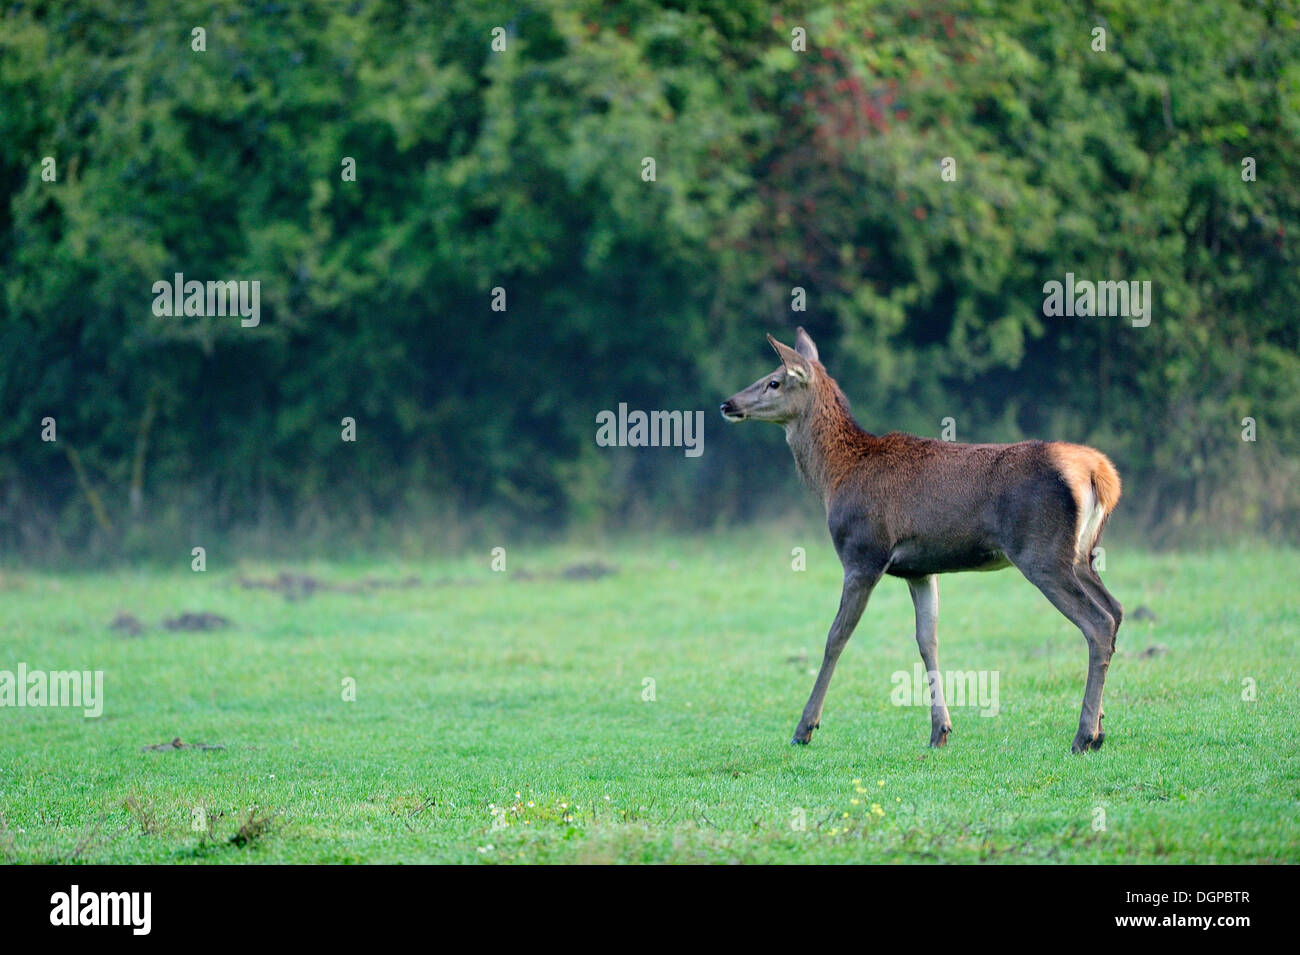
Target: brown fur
[916, 507]
[1085, 467]
[1089, 475]
[838, 447]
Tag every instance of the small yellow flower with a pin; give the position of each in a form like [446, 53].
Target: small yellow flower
[880, 783]
[854, 802]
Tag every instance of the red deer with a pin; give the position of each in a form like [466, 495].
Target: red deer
[917, 507]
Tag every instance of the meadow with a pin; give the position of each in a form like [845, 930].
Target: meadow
[633, 702]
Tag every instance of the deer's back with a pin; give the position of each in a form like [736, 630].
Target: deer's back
[928, 506]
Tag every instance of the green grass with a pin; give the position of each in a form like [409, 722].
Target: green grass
[476, 689]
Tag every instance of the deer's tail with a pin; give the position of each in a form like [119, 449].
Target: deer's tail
[1095, 484]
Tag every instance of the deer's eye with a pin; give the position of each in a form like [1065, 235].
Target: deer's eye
[774, 383]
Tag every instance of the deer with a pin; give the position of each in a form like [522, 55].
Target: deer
[914, 507]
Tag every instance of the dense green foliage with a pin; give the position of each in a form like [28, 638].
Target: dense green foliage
[522, 170]
[476, 690]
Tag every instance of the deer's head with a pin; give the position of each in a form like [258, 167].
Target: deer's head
[783, 395]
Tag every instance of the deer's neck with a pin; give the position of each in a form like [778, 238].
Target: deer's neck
[826, 442]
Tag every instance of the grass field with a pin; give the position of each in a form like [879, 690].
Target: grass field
[499, 717]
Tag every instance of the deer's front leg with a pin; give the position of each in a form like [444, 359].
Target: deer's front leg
[925, 598]
[853, 600]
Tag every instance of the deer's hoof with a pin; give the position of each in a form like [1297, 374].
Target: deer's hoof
[1083, 742]
[939, 736]
[803, 734]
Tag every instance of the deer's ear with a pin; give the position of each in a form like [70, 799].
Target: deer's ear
[804, 345]
[796, 366]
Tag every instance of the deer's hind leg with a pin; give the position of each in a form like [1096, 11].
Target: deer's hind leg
[1091, 581]
[1054, 571]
